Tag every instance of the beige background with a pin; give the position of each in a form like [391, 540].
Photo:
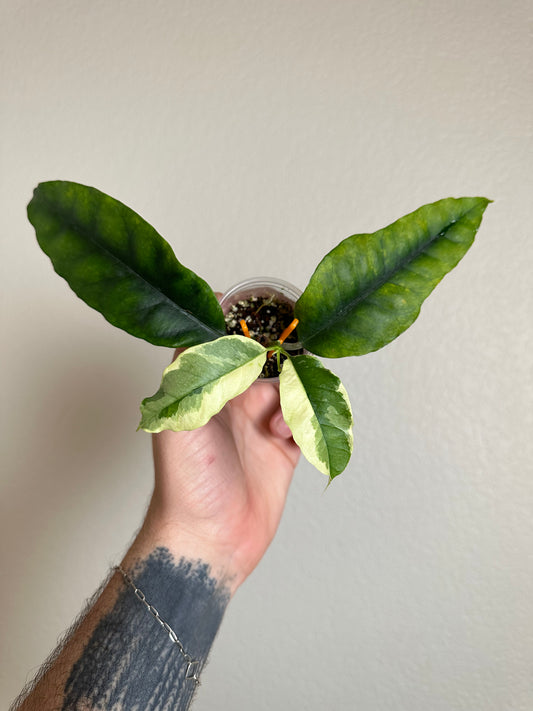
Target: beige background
[255, 136]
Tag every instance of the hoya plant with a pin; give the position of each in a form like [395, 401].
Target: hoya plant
[364, 293]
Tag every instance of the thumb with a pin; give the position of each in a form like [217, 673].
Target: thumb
[279, 427]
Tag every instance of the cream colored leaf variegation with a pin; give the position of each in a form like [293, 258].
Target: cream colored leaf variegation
[315, 405]
[200, 382]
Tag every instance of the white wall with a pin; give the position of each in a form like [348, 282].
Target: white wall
[255, 136]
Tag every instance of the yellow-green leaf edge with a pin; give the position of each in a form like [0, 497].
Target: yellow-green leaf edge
[323, 433]
[201, 380]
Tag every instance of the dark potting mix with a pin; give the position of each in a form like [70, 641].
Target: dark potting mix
[266, 318]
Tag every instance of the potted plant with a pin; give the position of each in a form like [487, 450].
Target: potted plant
[364, 293]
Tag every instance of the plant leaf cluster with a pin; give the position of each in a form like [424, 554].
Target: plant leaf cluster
[363, 294]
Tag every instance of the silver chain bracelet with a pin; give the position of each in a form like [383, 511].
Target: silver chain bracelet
[192, 664]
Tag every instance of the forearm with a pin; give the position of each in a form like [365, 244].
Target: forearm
[218, 497]
[121, 656]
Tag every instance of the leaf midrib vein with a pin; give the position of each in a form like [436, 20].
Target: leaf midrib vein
[381, 282]
[87, 236]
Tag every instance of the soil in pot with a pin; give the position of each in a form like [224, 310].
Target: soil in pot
[266, 317]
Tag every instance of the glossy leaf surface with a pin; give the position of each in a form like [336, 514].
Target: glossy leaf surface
[118, 264]
[200, 382]
[315, 405]
[369, 289]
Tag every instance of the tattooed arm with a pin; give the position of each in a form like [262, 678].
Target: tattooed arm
[218, 497]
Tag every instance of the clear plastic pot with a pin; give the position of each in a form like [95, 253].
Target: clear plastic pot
[263, 287]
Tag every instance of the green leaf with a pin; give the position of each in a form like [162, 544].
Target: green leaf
[370, 288]
[315, 405]
[118, 264]
[200, 382]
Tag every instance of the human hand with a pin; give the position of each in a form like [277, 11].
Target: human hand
[220, 490]
[218, 497]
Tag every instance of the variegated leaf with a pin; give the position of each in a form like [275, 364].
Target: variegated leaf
[315, 405]
[200, 382]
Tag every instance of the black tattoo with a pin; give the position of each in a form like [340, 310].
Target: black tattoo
[129, 661]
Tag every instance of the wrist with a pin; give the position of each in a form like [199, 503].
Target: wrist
[184, 540]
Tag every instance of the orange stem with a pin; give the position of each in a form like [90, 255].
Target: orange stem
[287, 332]
[290, 328]
[244, 328]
